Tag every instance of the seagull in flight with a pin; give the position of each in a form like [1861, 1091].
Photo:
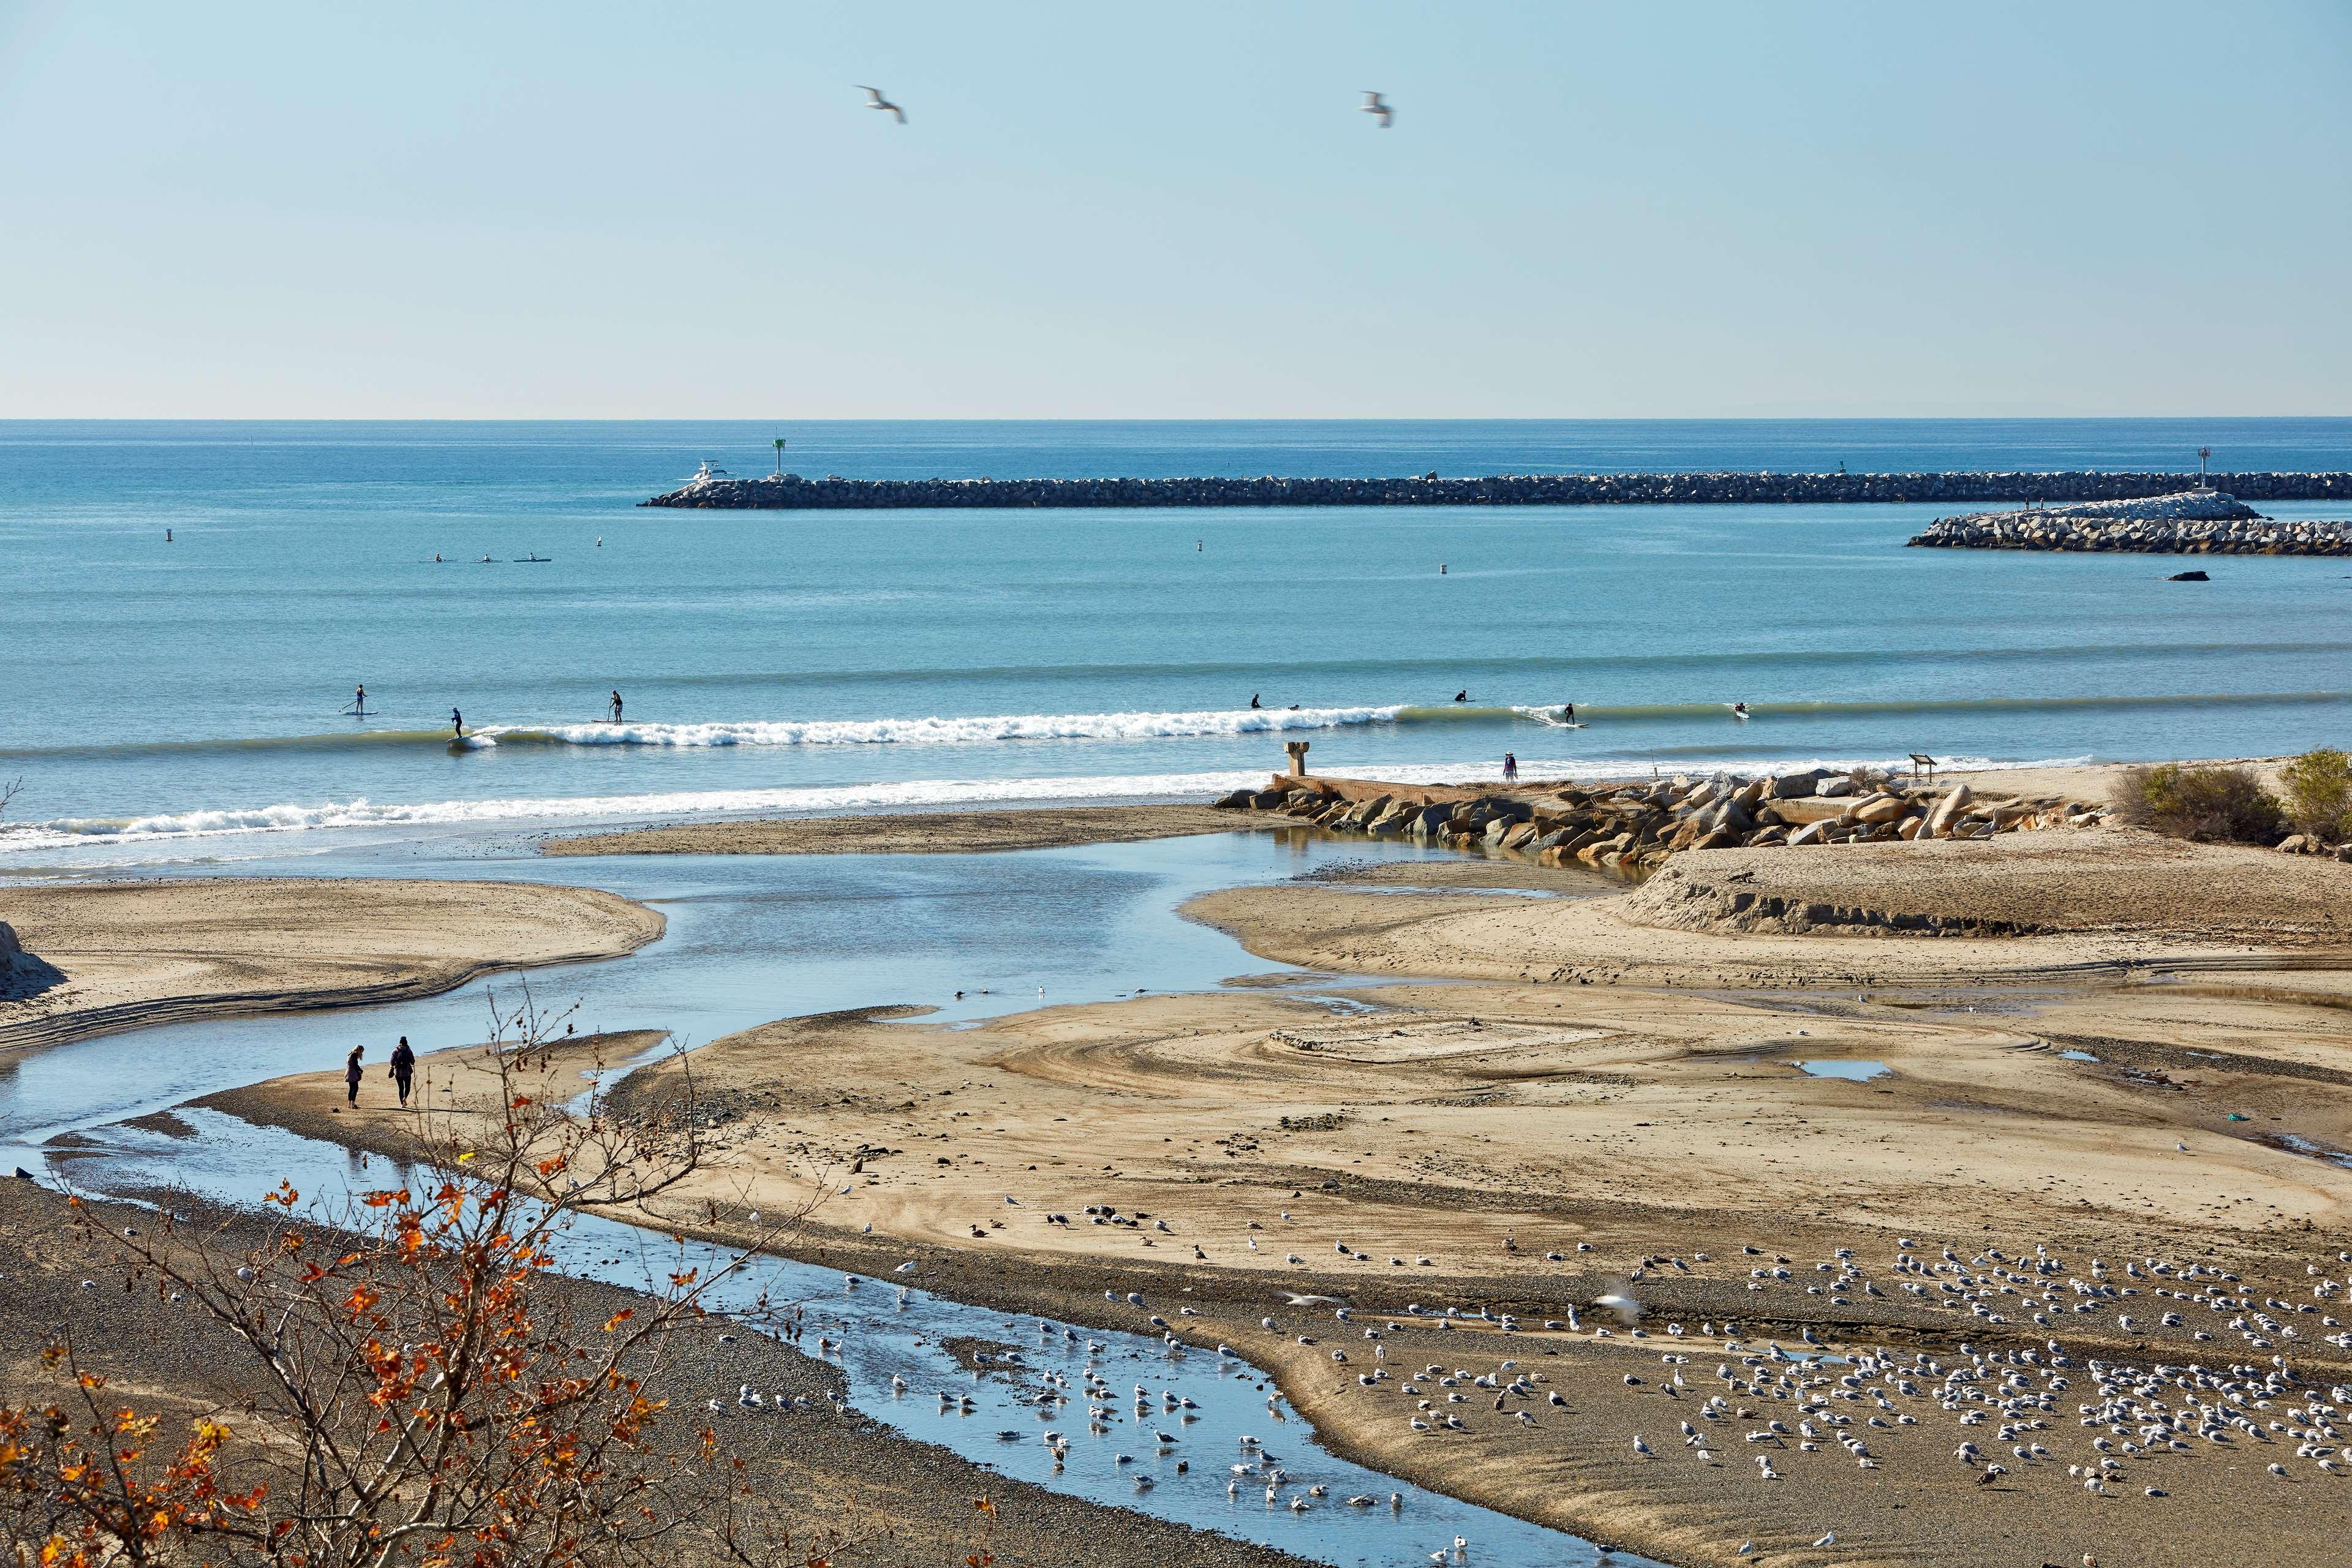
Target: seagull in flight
[874, 100]
[1372, 104]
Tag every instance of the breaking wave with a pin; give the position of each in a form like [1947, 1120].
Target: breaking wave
[526, 812]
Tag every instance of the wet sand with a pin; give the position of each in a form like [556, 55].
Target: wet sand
[105, 958]
[910, 833]
[1485, 1127]
[1589, 1100]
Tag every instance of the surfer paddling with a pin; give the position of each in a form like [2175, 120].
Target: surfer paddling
[359, 701]
[616, 707]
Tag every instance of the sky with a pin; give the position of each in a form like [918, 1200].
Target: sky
[1174, 211]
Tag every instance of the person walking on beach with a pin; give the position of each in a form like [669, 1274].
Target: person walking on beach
[616, 707]
[404, 1069]
[456, 725]
[1510, 765]
[351, 1076]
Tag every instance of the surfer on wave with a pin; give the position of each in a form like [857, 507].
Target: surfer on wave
[456, 725]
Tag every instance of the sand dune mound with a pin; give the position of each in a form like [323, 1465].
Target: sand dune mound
[2029, 884]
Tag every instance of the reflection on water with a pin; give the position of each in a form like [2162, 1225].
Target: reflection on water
[751, 939]
[1852, 1071]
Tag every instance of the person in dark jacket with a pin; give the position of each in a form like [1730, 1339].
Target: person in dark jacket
[404, 1069]
[351, 1075]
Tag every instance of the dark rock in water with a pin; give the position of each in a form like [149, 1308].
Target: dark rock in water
[2188, 577]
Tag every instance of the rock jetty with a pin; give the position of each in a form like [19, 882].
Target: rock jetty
[1630, 830]
[791, 492]
[2190, 522]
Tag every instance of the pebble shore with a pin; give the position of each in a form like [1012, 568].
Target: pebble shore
[791, 492]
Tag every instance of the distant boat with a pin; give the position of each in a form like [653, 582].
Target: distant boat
[532, 559]
[705, 474]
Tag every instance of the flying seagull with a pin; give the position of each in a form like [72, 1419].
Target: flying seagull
[1371, 105]
[874, 100]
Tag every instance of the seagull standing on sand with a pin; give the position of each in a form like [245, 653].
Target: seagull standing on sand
[874, 100]
[1373, 104]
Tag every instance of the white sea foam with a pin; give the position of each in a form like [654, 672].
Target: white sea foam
[1135, 726]
[590, 810]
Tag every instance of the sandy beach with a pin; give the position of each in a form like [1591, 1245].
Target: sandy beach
[1598, 1101]
[109, 957]
[1603, 1094]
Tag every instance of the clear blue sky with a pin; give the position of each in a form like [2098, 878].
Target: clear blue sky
[1127, 210]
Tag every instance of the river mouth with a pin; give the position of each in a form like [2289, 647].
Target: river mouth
[753, 939]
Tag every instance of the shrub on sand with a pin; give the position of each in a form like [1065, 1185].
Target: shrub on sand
[2208, 805]
[2319, 794]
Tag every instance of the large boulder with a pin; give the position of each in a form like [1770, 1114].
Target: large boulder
[1947, 811]
[1881, 808]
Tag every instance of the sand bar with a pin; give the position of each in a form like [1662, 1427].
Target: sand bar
[102, 959]
[909, 832]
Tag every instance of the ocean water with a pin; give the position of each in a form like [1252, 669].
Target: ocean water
[184, 699]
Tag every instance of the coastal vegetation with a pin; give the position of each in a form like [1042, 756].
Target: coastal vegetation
[2208, 803]
[2318, 787]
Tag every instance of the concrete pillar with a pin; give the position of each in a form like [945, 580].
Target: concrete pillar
[1297, 750]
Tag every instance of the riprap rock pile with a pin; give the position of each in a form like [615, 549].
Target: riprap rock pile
[791, 492]
[2192, 523]
[1630, 829]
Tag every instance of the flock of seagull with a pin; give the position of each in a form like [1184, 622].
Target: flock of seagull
[1784, 1404]
[2242, 1400]
[1373, 104]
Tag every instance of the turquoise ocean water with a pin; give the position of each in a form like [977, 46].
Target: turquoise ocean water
[168, 701]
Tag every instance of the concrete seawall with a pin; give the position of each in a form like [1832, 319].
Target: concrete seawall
[792, 493]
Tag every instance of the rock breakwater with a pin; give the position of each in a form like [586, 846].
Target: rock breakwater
[1631, 830]
[791, 492]
[2192, 523]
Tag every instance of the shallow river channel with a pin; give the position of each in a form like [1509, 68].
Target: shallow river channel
[753, 939]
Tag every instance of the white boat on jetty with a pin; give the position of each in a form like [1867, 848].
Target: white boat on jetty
[705, 474]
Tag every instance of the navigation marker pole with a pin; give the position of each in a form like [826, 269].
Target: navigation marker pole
[779, 457]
